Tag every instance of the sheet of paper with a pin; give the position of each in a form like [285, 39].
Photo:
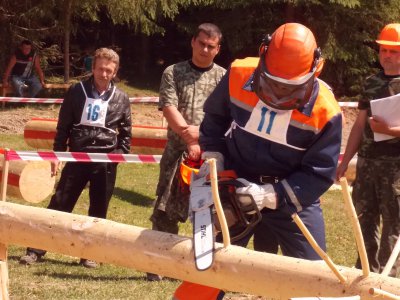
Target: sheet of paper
[388, 109]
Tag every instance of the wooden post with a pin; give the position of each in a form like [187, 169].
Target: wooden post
[4, 283]
[392, 259]
[317, 248]
[4, 295]
[4, 177]
[234, 268]
[381, 294]
[3, 247]
[351, 212]
[217, 202]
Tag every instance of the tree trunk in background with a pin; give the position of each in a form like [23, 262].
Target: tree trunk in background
[289, 12]
[67, 30]
[144, 54]
[6, 41]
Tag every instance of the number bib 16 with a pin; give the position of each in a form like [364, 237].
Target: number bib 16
[94, 112]
[269, 123]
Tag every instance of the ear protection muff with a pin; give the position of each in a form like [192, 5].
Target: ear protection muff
[262, 50]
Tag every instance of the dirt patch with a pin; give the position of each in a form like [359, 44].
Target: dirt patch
[14, 116]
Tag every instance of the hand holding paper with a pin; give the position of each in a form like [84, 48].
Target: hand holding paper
[386, 114]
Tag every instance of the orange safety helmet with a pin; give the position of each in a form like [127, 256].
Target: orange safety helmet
[390, 35]
[289, 58]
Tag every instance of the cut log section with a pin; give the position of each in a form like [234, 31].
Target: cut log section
[234, 269]
[40, 133]
[30, 181]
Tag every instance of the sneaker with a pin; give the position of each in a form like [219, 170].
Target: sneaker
[153, 277]
[87, 263]
[30, 258]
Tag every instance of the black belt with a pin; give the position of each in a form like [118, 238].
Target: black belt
[268, 179]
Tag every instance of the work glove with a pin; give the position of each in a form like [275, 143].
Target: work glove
[264, 195]
[205, 167]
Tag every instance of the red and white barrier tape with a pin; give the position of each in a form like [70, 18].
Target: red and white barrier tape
[143, 100]
[348, 104]
[55, 100]
[131, 100]
[81, 157]
[30, 100]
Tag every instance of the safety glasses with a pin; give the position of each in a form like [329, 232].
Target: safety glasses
[280, 93]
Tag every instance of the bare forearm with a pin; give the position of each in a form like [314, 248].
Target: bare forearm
[393, 131]
[355, 137]
[175, 119]
[189, 133]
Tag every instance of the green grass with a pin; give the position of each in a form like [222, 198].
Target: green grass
[60, 277]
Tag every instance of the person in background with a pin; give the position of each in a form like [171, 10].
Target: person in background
[278, 126]
[95, 117]
[376, 189]
[20, 70]
[184, 88]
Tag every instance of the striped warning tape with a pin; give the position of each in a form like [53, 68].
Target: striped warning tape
[348, 104]
[80, 157]
[131, 100]
[60, 100]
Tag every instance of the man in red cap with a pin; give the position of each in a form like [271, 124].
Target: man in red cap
[279, 128]
[376, 191]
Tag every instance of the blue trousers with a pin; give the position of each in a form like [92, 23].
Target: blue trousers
[19, 83]
[277, 229]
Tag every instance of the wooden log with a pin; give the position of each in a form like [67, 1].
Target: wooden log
[40, 133]
[148, 139]
[30, 181]
[64, 86]
[234, 268]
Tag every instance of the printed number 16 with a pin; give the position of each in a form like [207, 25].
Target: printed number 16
[272, 115]
[93, 113]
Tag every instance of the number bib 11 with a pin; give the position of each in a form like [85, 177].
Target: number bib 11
[269, 123]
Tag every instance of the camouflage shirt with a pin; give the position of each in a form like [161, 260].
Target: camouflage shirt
[376, 87]
[187, 87]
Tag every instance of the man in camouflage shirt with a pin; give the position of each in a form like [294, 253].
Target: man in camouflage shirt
[376, 191]
[183, 90]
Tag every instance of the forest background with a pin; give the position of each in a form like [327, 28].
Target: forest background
[152, 34]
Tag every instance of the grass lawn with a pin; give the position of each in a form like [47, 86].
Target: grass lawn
[60, 277]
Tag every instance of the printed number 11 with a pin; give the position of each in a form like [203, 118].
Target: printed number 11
[272, 115]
